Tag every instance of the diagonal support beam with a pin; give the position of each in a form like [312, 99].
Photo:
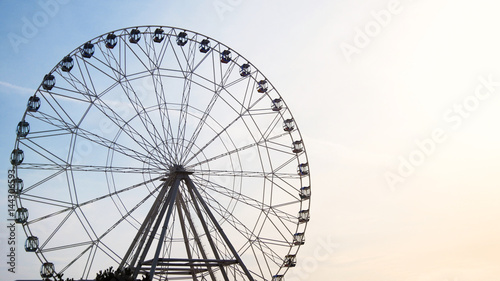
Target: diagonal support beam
[192, 188]
[173, 194]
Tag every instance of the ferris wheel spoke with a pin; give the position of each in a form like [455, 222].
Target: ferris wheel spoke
[149, 50]
[270, 256]
[68, 246]
[286, 188]
[265, 250]
[92, 168]
[249, 246]
[217, 90]
[104, 142]
[47, 201]
[183, 112]
[73, 95]
[33, 136]
[56, 107]
[80, 255]
[243, 112]
[268, 220]
[166, 126]
[157, 75]
[227, 217]
[271, 128]
[110, 59]
[125, 126]
[56, 229]
[132, 50]
[57, 122]
[263, 133]
[186, 72]
[160, 54]
[44, 153]
[209, 142]
[108, 252]
[247, 97]
[142, 114]
[124, 81]
[242, 173]
[98, 239]
[42, 181]
[247, 200]
[200, 125]
[69, 207]
[236, 150]
[128, 214]
[83, 67]
[257, 251]
[261, 256]
[188, 67]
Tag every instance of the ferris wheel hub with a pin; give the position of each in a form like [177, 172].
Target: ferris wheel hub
[179, 169]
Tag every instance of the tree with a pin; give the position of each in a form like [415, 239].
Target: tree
[108, 275]
[118, 275]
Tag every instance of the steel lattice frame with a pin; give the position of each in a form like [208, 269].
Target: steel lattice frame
[166, 151]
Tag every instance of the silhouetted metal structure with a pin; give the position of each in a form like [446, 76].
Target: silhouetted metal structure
[164, 151]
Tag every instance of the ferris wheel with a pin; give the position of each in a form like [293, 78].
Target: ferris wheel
[164, 151]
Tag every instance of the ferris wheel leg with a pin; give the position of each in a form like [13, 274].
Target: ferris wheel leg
[195, 194]
[172, 196]
[134, 251]
[183, 208]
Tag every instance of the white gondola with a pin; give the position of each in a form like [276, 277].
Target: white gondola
[31, 244]
[16, 186]
[88, 50]
[290, 261]
[204, 45]
[33, 104]
[299, 239]
[303, 216]
[245, 70]
[47, 270]
[305, 192]
[262, 86]
[21, 215]
[67, 64]
[111, 41]
[135, 36]
[23, 129]
[289, 125]
[225, 56]
[159, 35]
[16, 157]
[182, 39]
[303, 169]
[297, 146]
[49, 81]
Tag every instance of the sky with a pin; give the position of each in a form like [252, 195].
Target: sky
[396, 101]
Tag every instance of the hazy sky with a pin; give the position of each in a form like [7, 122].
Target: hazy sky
[397, 102]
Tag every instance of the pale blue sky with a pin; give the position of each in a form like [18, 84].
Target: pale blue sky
[367, 82]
